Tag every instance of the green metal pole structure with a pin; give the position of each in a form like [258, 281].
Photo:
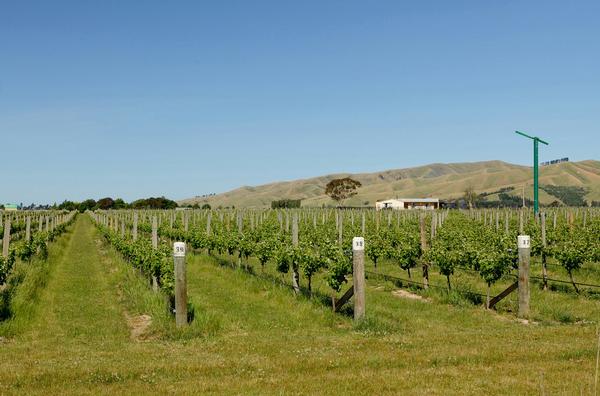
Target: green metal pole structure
[536, 169]
[536, 175]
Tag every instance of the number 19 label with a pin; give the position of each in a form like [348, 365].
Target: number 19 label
[358, 243]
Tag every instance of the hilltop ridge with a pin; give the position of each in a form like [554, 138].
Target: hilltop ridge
[434, 180]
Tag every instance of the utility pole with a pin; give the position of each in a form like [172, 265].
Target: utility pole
[536, 140]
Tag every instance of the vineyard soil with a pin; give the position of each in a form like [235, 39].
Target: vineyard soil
[252, 336]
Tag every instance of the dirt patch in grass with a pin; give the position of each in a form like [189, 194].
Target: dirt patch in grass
[138, 326]
[507, 318]
[406, 294]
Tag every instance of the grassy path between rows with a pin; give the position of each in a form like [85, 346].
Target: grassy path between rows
[259, 339]
[78, 321]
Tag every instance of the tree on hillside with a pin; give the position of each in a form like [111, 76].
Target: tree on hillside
[119, 204]
[471, 197]
[88, 204]
[68, 205]
[105, 203]
[154, 203]
[286, 203]
[341, 189]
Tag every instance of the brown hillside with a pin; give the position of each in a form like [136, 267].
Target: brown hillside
[435, 180]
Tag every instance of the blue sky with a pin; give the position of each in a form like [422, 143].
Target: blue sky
[132, 99]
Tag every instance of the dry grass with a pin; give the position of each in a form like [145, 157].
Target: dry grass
[439, 180]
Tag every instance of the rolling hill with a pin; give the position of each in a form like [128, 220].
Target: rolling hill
[443, 181]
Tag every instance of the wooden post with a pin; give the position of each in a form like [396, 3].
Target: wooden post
[134, 232]
[6, 239]
[154, 232]
[423, 249]
[180, 284]
[490, 303]
[521, 222]
[287, 222]
[240, 228]
[240, 222]
[154, 246]
[28, 229]
[524, 245]
[295, 273]
[340, 229]
[571, 221]
[362, 225]
[358, 276]
[544, 268]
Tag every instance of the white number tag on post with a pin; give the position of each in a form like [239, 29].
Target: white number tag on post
[179, 249]
[523, 241]
[358, 243]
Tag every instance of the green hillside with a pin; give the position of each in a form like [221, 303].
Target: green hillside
[436, 180]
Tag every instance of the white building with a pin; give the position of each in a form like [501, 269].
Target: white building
[408, 203]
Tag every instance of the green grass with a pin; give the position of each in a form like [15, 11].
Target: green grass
[562, 305]
[21, 298]
[252, 336]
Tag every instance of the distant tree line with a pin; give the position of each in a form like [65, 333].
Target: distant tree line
[118, 203]
[33, 206]
[569, 195]
[286, 204]
[196, 206]
[506, 201]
